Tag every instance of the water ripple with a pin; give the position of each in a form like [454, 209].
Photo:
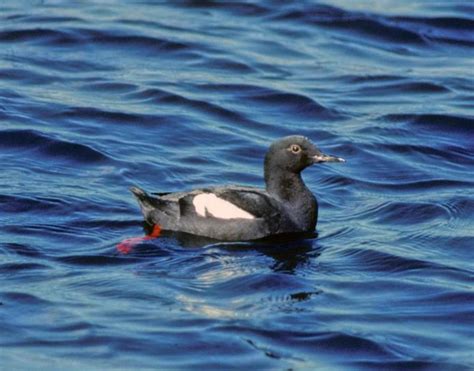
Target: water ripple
[175, 95]
[49, 146]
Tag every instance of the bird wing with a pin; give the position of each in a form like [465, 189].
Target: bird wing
[252, 200]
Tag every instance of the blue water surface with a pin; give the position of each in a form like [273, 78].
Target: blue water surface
[97, 96]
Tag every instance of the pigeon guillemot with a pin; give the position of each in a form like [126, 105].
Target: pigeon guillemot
[233, 213]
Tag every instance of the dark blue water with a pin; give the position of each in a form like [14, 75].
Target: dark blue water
[96, 96]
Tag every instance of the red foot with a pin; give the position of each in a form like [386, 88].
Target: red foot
[155, 232]
[128, 244]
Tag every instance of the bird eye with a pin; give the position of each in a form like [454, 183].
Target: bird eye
[295, 148]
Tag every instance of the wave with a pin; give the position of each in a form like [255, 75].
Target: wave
[102, 116]
[437, 122]
[50, 147]
[411, 87]
[95, 260]
[372, 260]
[27, 76]
[398, 30]
[225, 65]
[21, 268]
[22, 249]
[18, 204]
[24, 298]
[160, 96]
[38, 35]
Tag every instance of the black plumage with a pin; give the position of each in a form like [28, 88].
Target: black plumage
[234, 213]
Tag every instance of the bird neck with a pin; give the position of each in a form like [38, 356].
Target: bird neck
[300, 202]
[287, 186]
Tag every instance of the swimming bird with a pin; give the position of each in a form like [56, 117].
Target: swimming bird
[238, 213]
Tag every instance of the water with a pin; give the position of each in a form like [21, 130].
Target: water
[96, 96]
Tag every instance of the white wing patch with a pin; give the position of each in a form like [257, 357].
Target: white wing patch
[218, 207]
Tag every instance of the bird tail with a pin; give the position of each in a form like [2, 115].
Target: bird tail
[147, 203]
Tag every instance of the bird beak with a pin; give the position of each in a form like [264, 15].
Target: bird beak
[321, 157]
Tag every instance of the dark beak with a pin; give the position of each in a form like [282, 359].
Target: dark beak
[321, 157]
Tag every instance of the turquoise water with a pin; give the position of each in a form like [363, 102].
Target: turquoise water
[98, 96]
